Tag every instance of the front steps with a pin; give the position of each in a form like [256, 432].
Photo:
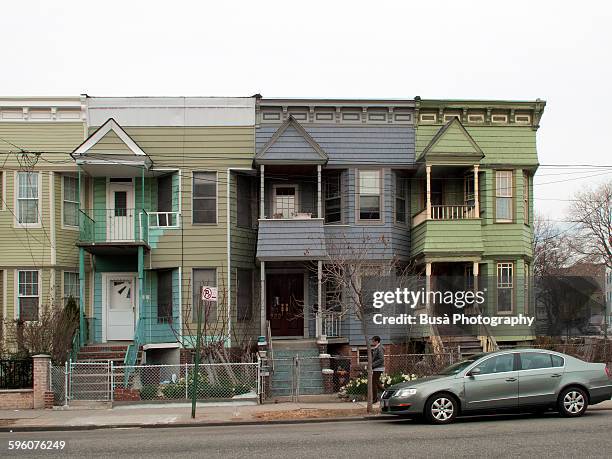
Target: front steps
[306, 378]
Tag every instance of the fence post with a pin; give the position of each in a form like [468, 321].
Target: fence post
[66, 369]
[112, 381]
[186, 381]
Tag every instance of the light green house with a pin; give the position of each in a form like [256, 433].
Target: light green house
[473, 202]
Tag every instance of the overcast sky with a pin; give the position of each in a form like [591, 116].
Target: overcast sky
[557, 51]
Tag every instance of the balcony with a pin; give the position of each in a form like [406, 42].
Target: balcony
[446, 212]
[291, 239]
[115, 231]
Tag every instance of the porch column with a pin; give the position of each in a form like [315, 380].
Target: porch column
[475, 267]
[428, 194]
[427, 285]
[319, 322]
[319, 202]
[262, 207]
[263, 329]
[82, 296]
[476, 203]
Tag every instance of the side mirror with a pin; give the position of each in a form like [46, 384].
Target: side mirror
[474, 371]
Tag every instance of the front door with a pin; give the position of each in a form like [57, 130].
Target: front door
[120, 213]
[285, 304]
[121, 307]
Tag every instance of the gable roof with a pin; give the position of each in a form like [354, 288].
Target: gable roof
[291, 144]
[452, 141]
[111, 126]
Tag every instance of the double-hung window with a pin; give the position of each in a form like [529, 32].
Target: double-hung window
[28, 290]
[401, 197]
[332, 187]
[503, 196]
[205, 197]
[505, 287]
[71, 201]
[27, 198]
[369, 195]
[165, 296]
[71, 286]
[206, 277]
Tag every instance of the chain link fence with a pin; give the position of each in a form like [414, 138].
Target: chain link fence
[589, 352]
[166, 383]
[58, 381]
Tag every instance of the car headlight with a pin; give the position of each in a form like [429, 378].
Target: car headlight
[405, 392]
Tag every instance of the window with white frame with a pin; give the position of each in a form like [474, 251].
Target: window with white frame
[205, 197]
[505, 287]
[206, 277]
[503, 196]
[28, 292]
[285, 201]
[71, 286]
[71, 201]
[401, 198]
[27, 197]
[332, 188]
[526, 198]
[369, 195]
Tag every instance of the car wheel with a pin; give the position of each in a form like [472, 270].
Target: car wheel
[441, 409]
[573, 402]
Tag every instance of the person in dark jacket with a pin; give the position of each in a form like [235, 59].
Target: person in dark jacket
[378, 366]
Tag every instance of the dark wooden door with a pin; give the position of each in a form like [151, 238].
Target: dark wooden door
[285, 301]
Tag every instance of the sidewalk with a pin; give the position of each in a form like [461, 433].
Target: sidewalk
[180, 415]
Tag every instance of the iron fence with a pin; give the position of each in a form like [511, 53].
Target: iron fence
[16, 374]
[164, 383]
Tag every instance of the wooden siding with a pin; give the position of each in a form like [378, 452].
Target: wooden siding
[447, 237]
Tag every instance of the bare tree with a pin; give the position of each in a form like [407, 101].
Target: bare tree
[552, 247]
[592, 211]
[354, 266]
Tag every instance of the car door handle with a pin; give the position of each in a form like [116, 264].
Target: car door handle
[510, 379]
[556, 375]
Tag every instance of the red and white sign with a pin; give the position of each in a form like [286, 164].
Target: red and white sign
[209, 293]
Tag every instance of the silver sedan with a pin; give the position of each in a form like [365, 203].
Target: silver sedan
[516, 380]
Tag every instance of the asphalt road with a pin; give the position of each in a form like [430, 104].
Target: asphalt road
[516, 435]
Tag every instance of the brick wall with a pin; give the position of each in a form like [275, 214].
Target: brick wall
[17, 399]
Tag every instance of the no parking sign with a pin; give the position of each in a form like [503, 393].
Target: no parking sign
[209, 293]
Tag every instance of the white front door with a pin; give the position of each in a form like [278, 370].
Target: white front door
[120, 307]
[120, 219]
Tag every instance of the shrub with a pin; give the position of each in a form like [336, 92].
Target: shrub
[149, 392]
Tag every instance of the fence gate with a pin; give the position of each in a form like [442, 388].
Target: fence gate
[89, 381]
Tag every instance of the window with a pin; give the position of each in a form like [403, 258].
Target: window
[505, 287]
[71, 201]
[526, 198]
[205, 197]
[503, 196]
[332, 189]
[244, 309]
[244, 197]
[362, 356]
[499, 119]
[468, 190]
[27, 197]
[499, 364]
[369, 195]
[527, 292]
[285, 201]
[401, 197]
[333, 296]
[164, 202]
[476, 118]
[28, 294]
[165, 301]
[428, 117]
[522, 119]
[557, 361]
[535, 360]
[203, 278]
[71, 286]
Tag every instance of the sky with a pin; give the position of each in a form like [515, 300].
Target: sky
[553, 50]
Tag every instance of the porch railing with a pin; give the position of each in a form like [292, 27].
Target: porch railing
[332, 324]
[452, 212]
[113, 225]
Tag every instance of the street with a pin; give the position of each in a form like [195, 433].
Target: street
[509, 435]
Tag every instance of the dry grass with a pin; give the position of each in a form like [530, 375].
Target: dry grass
[307, 413]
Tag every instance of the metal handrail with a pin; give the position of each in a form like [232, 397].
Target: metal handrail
[269, 340]
[114, 225]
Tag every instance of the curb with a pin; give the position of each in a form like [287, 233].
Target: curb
[57, 428]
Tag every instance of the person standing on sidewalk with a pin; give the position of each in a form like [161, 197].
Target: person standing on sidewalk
[378, 366]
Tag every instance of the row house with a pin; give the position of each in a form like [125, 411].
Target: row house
[131, 205]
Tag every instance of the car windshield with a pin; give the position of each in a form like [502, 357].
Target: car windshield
[459, 366]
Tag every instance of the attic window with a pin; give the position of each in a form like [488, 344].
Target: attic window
[428, 117]
[300, 116]
[351, 116]
[522, 119]
[377, 116]
[325, 116]
[450, 116]
[499, 119]
[475, 118]
[403, 117]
